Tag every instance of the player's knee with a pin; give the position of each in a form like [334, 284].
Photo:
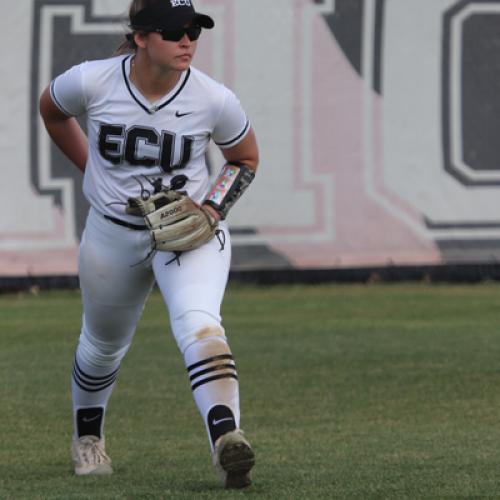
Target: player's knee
[194, 326]
[100, 354]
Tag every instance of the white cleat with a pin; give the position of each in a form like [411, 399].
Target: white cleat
[89, 456]
[233, 458]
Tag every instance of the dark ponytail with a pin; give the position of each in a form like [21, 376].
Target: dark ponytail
[128, 45]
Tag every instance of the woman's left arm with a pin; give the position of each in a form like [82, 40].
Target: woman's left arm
[246, 152]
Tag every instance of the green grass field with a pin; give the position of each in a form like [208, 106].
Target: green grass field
[348, 391]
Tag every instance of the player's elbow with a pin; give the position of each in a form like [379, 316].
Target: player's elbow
[246, 152]
[253, 160]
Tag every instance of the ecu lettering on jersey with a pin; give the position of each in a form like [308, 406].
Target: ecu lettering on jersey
[128, 142]
[144, 146]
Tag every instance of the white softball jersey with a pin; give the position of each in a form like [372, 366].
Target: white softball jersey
[133, 141]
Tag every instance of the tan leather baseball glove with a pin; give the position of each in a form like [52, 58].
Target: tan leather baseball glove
[176, 222]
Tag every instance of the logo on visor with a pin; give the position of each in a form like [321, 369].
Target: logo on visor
[180, 3]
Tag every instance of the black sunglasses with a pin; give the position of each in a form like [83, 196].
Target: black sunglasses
[175, 35]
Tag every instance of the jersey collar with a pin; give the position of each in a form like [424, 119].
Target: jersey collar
[147, 106]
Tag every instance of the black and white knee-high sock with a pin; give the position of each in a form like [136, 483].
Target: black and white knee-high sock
[214, 382]
[91, 388]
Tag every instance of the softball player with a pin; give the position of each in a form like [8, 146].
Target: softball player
[150, 117]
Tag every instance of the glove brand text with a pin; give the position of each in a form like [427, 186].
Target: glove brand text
[169, 213]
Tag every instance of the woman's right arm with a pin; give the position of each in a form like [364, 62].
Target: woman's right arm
[64, 130]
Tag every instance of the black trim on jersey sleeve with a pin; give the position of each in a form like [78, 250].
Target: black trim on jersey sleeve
[56, 100]
[157, 108]
[237, 138]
